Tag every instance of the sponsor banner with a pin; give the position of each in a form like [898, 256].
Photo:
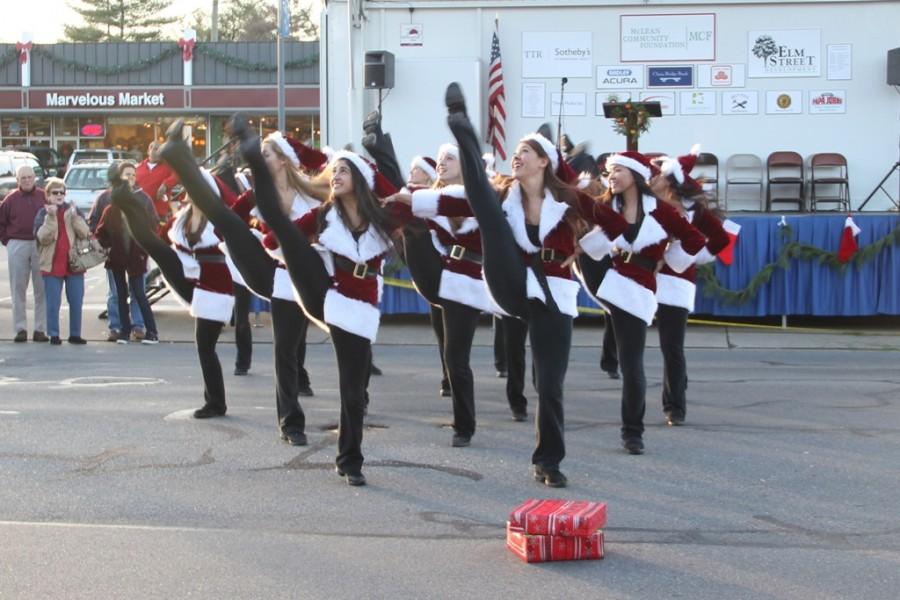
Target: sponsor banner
[613, 77]
[784, 53]
[557, 54]
[575, 104]
[620, 97]
[784, 102]
[721, 76]
[412, 35]
[666, 100]
[827, 102]
[745, 102]
[697, 103]
[663, 38]
[681, 76]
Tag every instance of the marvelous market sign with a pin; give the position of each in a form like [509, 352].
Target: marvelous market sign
[106, 99]
[784, 53]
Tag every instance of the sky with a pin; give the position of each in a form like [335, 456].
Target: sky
[45, 18]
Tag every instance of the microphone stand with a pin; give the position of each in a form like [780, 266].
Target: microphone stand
[562, 97]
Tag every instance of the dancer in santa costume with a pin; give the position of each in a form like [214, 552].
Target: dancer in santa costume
[338, 282]
[528, 247]
[636, 232]
[675, 291]
[187, 253]
[251, 266]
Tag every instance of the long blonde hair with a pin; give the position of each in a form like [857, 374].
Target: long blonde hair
[317, 186]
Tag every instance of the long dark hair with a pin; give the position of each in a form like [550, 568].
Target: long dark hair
[561, 191]
[367, 204]
[679, 191]
[639, 182]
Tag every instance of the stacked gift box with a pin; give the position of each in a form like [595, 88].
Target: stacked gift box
[545, 530]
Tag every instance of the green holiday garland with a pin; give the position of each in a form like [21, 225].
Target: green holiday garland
[8, 57]
[110, 70]
[239, 63]
[790, 250]
[168, 52]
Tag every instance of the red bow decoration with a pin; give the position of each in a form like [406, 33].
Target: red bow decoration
[22, 49]
[187, 48]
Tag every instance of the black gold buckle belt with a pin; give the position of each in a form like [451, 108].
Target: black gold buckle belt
[358, 270]
[458, 252]
[210, 258]
[551, 255]
[631, 258]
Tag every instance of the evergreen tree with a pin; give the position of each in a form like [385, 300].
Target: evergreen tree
[119, 20]
[253, 21]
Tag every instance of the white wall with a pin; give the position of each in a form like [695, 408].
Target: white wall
[459, 32]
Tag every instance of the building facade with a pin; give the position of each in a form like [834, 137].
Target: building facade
[123, 95]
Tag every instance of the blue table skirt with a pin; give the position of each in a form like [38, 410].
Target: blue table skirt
[806, 288]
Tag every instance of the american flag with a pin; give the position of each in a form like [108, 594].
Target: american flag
[496, 135]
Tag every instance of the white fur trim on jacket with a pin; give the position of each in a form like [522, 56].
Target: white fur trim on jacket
[676, 257]
[552, 212]
[466, 290]
[353, 316]
[628, 295]
[650, 233]
[232, 268]
[282, 287]
[595, 243]
[704, 257]
[564, 291]
[424, 203]
[338, 239]
[208, 239]
[212, 305]
[675, 291]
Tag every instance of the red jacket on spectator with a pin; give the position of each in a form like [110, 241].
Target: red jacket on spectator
[151, 178]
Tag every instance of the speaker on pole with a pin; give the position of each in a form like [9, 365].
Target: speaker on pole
[893, 67]
[379, 70]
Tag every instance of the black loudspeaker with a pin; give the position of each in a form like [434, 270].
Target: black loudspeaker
[893, 67]
[379, 70]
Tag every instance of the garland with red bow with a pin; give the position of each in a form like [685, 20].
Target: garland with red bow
[791, 250]
[187, 48]
[8, 56]
[22, 49]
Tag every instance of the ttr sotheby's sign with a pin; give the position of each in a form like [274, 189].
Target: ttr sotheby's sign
[784, 53]
[106, 99]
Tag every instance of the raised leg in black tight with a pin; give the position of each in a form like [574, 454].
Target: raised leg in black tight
[256, 267]
[380, 148]
[144, 233]
[303, 262]
[504, 270]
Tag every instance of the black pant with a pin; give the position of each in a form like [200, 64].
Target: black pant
[551, 339]
[609, 356]
[289, 326]
[243, 332]
[354, 356]
[437, 324]
[121, 279]
[672, 323]
[206, 334]
[499, 345]
[515, 333]
[460, 322]
[631, 337]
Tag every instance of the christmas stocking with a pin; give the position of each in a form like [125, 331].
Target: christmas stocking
[848, 245]
[732, 229]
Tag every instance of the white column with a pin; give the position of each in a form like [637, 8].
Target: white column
[189, 35]
[26, 66]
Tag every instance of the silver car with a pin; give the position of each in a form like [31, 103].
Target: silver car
[84, 182]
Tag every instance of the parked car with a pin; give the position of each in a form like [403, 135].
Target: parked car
[54, 165]
[10, 161]
[95, 155]
[85, 181]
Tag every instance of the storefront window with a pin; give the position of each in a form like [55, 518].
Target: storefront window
[13, 127]
[39, 127]
[66, 126]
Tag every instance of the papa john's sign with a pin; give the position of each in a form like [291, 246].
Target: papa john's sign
[784, 53]
[106, 99]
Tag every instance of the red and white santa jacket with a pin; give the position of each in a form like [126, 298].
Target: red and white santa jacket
[204, 265]
[246, 209]
[631, 282]
[461, 279]
[678, 289]
[354, 265]
[557, 244]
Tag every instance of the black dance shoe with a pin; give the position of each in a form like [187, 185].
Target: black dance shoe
[453, 98]
[550, 477]
[612, 374]
[294, 438]
[241, 371]
[673, 420]
[461, 441]
[209, 411]
[352, 479]
[77, 340]
[305, 391]
[519, 416]
[633, 445]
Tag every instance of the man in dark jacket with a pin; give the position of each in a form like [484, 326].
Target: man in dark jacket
[17, 213]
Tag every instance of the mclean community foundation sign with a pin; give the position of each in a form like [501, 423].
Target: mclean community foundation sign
[107, 99]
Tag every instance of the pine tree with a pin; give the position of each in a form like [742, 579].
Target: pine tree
[119, 20]
[253, 21]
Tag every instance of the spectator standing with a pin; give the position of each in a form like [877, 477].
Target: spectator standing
[17, 215]
[57, 226]
[156, 178]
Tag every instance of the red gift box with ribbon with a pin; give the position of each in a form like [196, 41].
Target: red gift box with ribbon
[558, 517]
[544, 548]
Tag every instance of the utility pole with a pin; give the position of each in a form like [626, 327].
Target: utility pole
[284, 30]
[214, 30]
